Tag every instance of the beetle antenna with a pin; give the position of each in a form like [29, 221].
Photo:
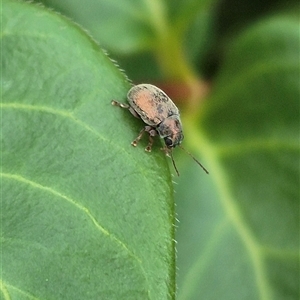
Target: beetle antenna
[196, 160]
[173, 161]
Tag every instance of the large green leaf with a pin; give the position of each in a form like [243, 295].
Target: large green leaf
[239, 228]
[83, 214]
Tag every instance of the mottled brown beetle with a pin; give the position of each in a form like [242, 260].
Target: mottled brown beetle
[157, 110]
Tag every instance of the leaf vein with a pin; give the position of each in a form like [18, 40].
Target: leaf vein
[234, 214]
[256, 145]
[54, 111]
[77, 205]
[4, 286]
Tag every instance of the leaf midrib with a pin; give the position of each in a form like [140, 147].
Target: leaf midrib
[228, 202]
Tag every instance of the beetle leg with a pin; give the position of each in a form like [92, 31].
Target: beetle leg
[126, 106]
[135, 142]
[120, 104]
[152, 132]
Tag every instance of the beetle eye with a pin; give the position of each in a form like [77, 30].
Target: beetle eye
[168, 142]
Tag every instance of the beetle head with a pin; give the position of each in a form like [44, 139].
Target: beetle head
[170, 129]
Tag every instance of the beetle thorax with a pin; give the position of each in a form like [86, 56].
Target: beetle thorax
[170, 129]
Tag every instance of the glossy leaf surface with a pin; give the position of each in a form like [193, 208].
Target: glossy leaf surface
[84, 215]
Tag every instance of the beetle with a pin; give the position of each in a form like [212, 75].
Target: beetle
[161, 116]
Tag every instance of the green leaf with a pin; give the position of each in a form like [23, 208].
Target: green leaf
[143, 33]
[83, 214]
[239, 228]
[132, 25]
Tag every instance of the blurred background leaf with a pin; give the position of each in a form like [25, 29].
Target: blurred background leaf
[233, 68]
[241, 232]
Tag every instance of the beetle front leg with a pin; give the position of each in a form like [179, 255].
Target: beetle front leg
[120, 104]
[152, 132]
[126, 106]
[135, 142]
